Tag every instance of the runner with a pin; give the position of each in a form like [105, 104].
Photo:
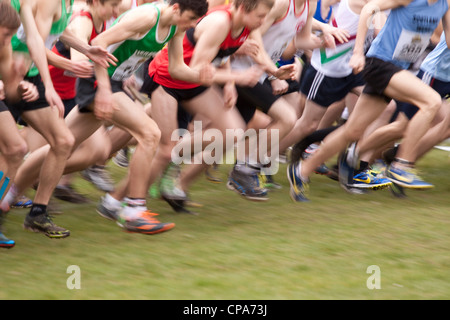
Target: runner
[386, 78]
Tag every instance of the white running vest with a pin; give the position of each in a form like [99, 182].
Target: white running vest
[334, 62]
[278, 36]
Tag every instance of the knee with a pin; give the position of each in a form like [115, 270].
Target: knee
[64, 143]
[151, 137]
[15, 153]
[433, 104]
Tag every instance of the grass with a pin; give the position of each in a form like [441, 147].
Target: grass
[237, 249]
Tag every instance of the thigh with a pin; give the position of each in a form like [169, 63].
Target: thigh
[164, 113]
[9, 134]
[210, 104]
[131, 117]
[406, 87]
[47, 122]
[82, 124]
[367, 109]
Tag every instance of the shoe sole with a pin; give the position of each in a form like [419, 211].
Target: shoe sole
[51, 236]
[380, 186]
[232, 188]
[178, 206]
[105, 216]
[167, 228]
[7, 245]
[409, 186]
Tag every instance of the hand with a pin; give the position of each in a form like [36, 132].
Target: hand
[279, 86]
[249, 77]
[357, 62]
[249, 48]
[229, 95]
[332, 33]
[288, 71]
[104, 105]
[101, 56]
[28, 91]
[206, 75]
[82, 69]
[2, 91]
[54, 100]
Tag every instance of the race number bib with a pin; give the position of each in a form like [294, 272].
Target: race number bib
[219, 62]
[411, 45]
[128, 67]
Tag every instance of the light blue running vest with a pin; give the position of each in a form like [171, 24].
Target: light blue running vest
[437, 63]
[407, 32]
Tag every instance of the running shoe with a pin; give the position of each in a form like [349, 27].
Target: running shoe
[121, 158]
[22, 202]
[407, 178]
[299, 188]
[179, 205]
[211, 174]
[43, 223]
[4, 241]
[346, 172]
[68, 193]
[99, 177]
[397, 191]
[169, 181]
[369, 179]
[107, 212]
[245, 181]
[145, 223]
[268, 182]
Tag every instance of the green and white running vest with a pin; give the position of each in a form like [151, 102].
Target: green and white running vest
[18, 41]
[132, 53]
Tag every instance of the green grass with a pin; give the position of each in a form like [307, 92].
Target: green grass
[237, 249]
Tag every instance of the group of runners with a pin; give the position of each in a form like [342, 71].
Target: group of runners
[87, 79]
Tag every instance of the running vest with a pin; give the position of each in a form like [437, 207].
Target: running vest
[132, 53]
[407, 32]
[159, 67]
[278, 36]
[335, 62]
[18, 41]
[437, 63]
[65, 84]
[318, 13]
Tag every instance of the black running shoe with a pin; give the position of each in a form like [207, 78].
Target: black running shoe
[43, 223]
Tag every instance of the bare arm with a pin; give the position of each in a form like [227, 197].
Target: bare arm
[446, 27]
[179, 70]
[367, 13]
[130, 26]
[37, 51]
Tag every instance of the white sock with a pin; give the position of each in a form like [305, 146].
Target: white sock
[110, 202]
[133, 208]
[11, 195]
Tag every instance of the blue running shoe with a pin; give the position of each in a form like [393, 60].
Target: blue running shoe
[407, 178]
[299, 188]
[245, 181]
[5, 242]
[369, 179]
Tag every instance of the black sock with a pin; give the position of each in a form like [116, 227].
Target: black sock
[38, 209]
[363, 165]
